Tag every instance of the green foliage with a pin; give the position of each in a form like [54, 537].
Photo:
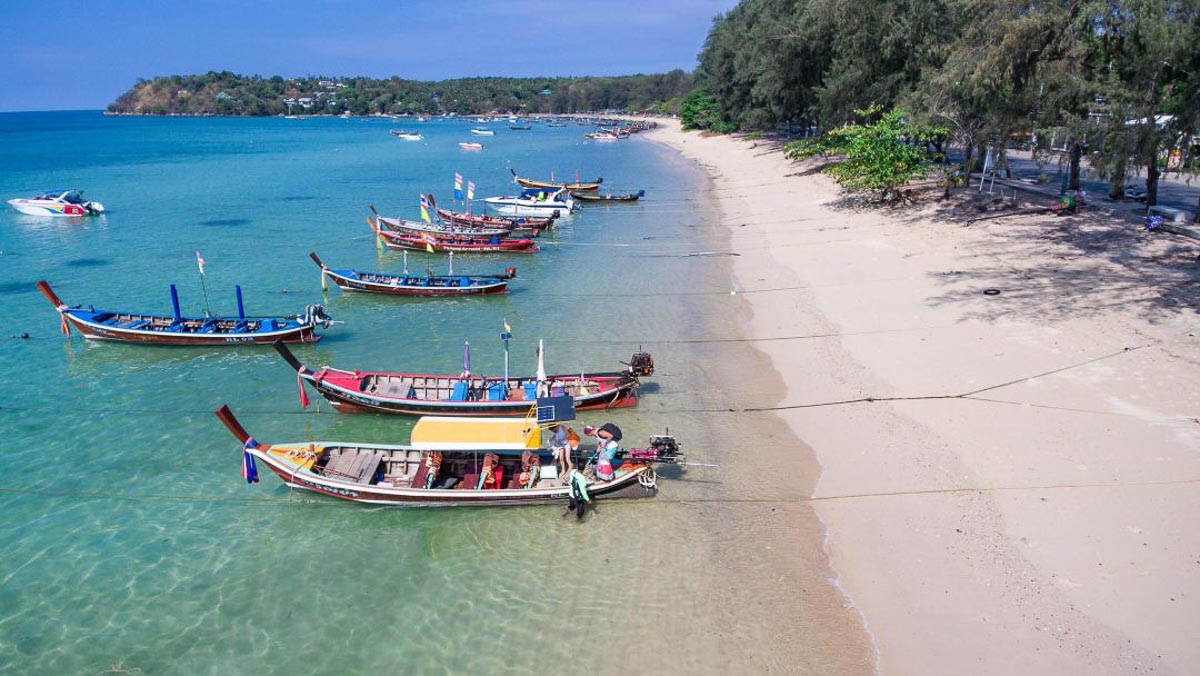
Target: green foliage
[882, 155]
[700, 111]
[226, 93]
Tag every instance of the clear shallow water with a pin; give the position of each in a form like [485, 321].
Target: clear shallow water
[128, 535]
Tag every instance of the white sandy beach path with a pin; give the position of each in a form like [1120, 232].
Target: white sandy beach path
[1043, 524]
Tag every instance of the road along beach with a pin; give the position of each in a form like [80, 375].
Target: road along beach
[1004, 417]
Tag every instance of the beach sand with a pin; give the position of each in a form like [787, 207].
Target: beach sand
[1009, 482]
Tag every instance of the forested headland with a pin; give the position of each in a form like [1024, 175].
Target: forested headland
[1115, 81]
[227, 93]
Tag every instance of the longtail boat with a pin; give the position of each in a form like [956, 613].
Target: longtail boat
[423, 394]
[555, 185]
[414, 285]
[176, 329]
[449, 462]
[442, 243]
[631, 197]
[439, 229]
[486, 221]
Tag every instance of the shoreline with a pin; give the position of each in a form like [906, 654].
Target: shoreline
[1035, 524]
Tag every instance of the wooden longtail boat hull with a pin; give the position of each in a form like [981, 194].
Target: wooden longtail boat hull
[441, 244]
[514, 222]
[307, 466]
[412, 285]
[152, 329]
[401, 225]
[631, 197]
[533, 183]
[422, 394]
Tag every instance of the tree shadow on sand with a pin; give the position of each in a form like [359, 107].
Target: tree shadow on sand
[1045, 267]
[1034, 265]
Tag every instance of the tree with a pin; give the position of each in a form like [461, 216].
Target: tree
[882, 155]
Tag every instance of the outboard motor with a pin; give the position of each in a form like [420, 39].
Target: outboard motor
[663, 448]
[94, 208]
[315, 314]
[641, 364]
[510, 272]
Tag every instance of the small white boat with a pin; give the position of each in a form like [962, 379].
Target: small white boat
[470, 146]
[406, 135]
[57, 203]
[534, 202]
[483, 132]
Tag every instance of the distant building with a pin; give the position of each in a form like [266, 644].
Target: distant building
[224, 96]
[546, 92]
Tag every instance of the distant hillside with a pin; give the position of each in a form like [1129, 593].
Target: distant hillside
[227, 93]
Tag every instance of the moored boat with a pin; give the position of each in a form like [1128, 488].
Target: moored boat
[483, 132]
[432, 243]
[439, 229]
[176, 329]
[57, 203]
[470, 146]
[537, 202]
[406, 135]
[589, 197]
[555, 185]
[449, 462]
[483, 220]
[415, 285]
[355, 391]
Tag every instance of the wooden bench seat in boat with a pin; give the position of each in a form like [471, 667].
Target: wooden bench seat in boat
[133, 324]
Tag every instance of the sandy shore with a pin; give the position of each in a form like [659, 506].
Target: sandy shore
[1010, 482]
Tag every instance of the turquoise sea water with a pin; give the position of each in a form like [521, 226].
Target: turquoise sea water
[128, 536]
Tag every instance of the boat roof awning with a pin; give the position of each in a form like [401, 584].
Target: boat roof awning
[451, 433]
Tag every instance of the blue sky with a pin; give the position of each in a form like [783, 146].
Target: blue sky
[82, 54]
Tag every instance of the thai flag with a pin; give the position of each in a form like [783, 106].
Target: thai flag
[470, 190]
[249, 469]
[458, 181]
[200, 262]
[425, 209]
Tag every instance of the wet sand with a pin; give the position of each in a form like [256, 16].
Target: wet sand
[1009, 480]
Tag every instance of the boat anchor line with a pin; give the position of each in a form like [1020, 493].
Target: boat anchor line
[8, 490]
[964, 395]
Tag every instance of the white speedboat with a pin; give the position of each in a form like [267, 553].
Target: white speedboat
[534, 202]
[406, 135]
[483, 132]
[57, 203]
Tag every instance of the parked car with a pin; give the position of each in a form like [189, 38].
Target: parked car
[1134, 192]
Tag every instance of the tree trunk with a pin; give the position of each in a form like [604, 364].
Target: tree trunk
[1152, 181]
[1076, 157]
[1196, 213]
[1116, 188]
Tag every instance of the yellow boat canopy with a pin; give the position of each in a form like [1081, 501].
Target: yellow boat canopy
[443, 433]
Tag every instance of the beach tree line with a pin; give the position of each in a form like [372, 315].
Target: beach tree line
[226, 93]
[1114, 81]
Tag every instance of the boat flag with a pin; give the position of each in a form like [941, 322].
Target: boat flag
[200, 262]
[542, 385]
[425, 209]
[507, 330]
[466, 373]
[470, 190]
[429, 244]
[458, 181]
[249, 469]
[303, 394]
